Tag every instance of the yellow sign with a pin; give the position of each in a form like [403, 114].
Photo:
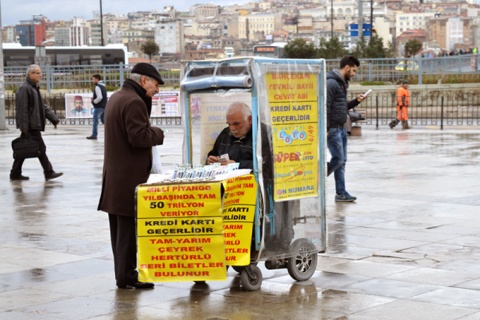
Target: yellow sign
[185, 233]
[291, 87]
[180, 233]
[294, 117]
[238, 215]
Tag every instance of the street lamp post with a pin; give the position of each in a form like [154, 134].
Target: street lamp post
[101, 24]
[3, 125]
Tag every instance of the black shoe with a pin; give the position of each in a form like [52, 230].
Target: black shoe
[18, 177]
[92, 138]
[137, 285]
[53, 175]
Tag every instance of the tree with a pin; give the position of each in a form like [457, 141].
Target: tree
[150, 48]
[299, 49]
[373, 49]
[331, 49]
[412, 47]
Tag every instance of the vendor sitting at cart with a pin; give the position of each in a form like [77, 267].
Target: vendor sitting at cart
[235, 140]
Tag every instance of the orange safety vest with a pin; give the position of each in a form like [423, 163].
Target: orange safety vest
[403, 97]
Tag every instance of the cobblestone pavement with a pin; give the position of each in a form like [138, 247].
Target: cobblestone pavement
[407, 249]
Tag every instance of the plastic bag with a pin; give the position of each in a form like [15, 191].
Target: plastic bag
[156, 162]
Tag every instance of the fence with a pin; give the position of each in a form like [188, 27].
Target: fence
[431, 105]
[459, 68]
[438, 107]
[80, 77]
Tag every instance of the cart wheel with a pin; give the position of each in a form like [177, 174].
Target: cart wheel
[251, 277]
[303, 262]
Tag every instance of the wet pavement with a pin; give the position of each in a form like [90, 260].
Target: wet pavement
[409, 248]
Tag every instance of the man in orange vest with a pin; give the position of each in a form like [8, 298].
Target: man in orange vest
[403, 102]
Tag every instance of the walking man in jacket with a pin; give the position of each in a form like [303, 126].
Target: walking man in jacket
[337, 110]
[403, 102]
[99, 102]
[31, 115]
[129, 138]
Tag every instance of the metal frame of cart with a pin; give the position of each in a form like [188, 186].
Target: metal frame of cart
[287, 97]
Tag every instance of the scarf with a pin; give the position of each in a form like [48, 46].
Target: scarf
[142, 93]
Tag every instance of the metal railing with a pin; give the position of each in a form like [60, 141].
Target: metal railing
[429, 106]
[80, 77]
[452, 107]
[460, 68]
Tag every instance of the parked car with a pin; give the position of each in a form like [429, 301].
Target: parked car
[411, 66]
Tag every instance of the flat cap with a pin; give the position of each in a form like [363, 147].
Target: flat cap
[146, 69]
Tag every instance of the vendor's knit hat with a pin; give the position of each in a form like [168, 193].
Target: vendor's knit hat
[146, 69]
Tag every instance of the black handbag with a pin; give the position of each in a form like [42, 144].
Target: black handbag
[355, 116]
[24, 148]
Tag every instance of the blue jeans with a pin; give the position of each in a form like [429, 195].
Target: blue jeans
[97, 113]
[337, 145]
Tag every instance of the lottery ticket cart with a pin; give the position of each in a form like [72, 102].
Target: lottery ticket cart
[282, 201]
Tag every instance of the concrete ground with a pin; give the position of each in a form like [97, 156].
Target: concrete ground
[409, 248]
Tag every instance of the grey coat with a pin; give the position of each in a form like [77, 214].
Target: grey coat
[31, 111]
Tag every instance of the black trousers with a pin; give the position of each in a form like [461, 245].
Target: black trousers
[124, 248]
[46, 165]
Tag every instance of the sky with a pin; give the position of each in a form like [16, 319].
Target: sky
[12, 11]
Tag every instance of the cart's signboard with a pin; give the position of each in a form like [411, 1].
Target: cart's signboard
[189, 232]
[180, 232]
[238, 214]
[293, 103]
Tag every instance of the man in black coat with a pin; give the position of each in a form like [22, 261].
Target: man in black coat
[31, 115]
[236, 139]
[129, 138]
[337, 110]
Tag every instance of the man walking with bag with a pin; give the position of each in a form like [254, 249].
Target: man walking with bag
[99, 102]
[403, 102]
[31, 115]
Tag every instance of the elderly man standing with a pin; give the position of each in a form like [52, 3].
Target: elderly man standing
[31, 113]
[129, 139]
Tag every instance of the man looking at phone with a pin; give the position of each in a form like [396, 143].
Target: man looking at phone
[234, 143]
[337, 110]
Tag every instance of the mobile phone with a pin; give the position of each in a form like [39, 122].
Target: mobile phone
[367, 93]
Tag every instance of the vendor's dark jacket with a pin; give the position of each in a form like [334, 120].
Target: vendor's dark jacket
[31, 111]
[129, 138]
[238, 149]
[337, 103]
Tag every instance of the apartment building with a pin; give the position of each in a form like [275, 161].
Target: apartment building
[451, 32]
[411, 20]
[169, 37]
[204, 11]
[255, 23]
